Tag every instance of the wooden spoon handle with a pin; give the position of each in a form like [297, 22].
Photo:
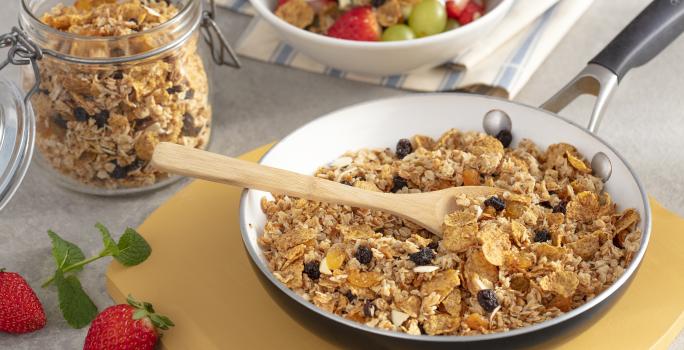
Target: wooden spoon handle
[209, 166]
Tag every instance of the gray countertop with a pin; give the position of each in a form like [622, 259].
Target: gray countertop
[643, 122]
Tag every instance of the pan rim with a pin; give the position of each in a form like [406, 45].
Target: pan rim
[607, 293]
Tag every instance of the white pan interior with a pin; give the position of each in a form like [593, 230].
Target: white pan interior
[379, 124]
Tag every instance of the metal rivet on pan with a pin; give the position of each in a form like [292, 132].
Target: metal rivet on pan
[495, 121]
[601, 166]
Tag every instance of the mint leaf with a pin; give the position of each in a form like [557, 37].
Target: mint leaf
[110, 247]
[133, 249]
[77, 308]
[65, 252]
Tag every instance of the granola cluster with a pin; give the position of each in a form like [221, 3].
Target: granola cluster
[99, 124]
[550, 243]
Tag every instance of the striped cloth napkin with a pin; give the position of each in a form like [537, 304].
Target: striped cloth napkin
[499, 65]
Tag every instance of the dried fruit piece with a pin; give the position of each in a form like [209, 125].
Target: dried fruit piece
[577, 163]
[311, 269]
[459, 231]
[441, 324]
[471, 177]
[562, 303]
[364, 279]
[404, 147]
[542, 235]
[364, 254]
[477, 322]
[335, 257]
[495, 202]
[398, 183]
[505, 137]
[487, 299]
[562, 283]
[422, 257]
[442, 283]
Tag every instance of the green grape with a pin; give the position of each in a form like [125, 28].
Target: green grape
[452, 24]
[428, 18]
[398, 32]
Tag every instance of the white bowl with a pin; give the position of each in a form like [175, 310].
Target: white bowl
[385, 58]
[379, 124]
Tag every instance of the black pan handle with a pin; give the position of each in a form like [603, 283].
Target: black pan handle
[648, 34]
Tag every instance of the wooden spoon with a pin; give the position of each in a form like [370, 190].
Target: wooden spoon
[425, 209]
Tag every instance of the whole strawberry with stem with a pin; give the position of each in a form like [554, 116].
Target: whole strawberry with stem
[126, 327]
[20, 308]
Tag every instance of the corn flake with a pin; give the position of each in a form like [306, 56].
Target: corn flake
[364, 279]
[584, 207]
[627, 219]
[495, 244]
[562, 283]
[586, 246]
[441, 324]
[577, 163]
[452, 303]
[459, 231]
[442, 283]
[548, 251]
[479, 273]
[356, 232]
[293, 238]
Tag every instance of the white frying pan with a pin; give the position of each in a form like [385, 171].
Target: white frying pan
[380, 124]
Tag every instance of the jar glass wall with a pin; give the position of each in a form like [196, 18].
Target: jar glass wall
[122, 76]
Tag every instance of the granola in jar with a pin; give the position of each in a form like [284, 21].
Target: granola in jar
[550, 243]
[99, 124]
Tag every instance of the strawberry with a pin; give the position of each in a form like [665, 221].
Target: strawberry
[281, 2]
[471, 12]
[20, 309]
[131, 326]
[454, 8]
[358, 24]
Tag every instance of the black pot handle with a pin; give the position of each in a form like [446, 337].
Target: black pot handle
[643, 38]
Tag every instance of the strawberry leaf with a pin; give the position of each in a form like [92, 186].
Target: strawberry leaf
[65, 252]
[133, 249]
[110, 247]
[77, 308]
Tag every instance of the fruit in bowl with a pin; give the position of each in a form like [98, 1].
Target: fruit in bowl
[379, 20]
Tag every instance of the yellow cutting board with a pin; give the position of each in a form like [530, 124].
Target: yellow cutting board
[200, 275]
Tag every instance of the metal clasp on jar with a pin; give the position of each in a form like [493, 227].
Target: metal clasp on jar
[218, 44]
[22, 52]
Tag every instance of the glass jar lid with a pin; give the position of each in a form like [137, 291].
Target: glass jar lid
[17, 135]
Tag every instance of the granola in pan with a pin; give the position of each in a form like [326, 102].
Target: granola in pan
[99, 124]
[552, 242]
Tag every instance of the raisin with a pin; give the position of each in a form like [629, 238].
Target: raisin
[487, 299]
[135, 165]
[101, 118]
[404, 148]
[505, 137]
[546, 204]
[423, 256]
[190, 94]
[495, 202]
[377, 3]
[189, 128]
[364, 255]
[80, 114]
[398, 183]
[542, 236]
[174, 89]
[118, 75]
[311, 269]
[433, 245]
[119, 172]
[560, 208]
[369, 309]
[350, 296]
[60, 121]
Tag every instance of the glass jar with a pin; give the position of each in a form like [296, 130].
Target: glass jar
[110, 79]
